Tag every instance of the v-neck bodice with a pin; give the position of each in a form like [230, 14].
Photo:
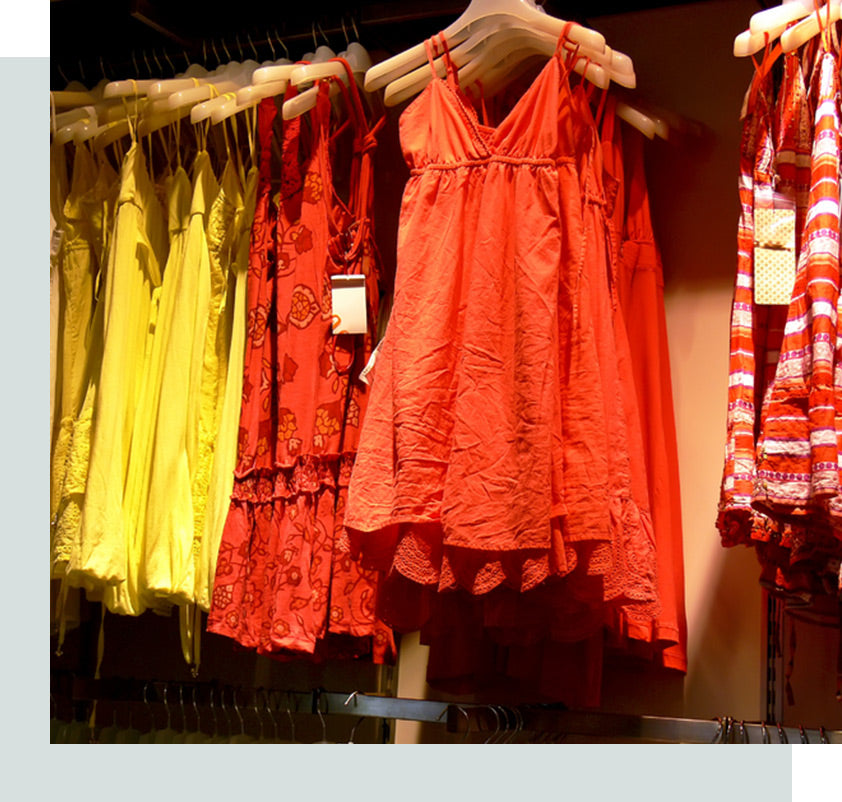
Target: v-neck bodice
[441, 127]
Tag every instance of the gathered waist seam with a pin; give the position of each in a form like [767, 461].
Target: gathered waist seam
[525, 161]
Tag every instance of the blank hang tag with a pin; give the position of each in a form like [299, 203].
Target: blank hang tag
[774, 276]
[774, 228]
[349, 310]
[775, 259]
[55, 242]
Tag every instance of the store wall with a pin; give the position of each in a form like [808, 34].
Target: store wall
[684, 63]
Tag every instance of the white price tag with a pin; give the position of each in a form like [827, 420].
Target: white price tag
[349, 312]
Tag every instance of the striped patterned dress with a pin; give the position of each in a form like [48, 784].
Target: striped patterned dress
[748, 345]
[797, 452]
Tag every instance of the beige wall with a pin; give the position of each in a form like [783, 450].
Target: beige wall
[684, 63]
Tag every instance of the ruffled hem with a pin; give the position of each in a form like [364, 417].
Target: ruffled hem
[416, 550]
[308, 475]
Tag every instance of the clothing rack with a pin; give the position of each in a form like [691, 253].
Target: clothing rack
[500, 723]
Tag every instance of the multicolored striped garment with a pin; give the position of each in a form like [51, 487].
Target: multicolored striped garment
[748, 325]
[797, 452]
[780, 489]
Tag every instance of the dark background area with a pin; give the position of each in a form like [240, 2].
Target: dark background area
[92, 39]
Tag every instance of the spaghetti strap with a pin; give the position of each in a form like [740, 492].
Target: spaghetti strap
[432, 53]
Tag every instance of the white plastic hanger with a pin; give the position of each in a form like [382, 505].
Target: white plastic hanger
[771, 19]
[797, 35]
[480, 12]
[294, 107]
[770, 24]
[493, 53]
[358, 60]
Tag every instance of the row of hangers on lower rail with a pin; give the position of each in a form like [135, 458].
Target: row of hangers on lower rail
[491, 43]
[489, 723]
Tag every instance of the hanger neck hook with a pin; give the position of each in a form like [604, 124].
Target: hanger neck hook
[283, 45]
[167, 706]
[181, 706]
[253, 48]
[345, 31]
[237, 711]
[196, 711]
[494, 734]
[271, 45]
[313, 31]
[225, 49]
[291, 719]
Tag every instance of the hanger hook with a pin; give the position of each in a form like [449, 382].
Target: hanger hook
[324, 35]
[321, 716]
[764, 734]
[225, 49]
[204, 52]
[261, 733]
[237, 711]
[102, 68]
[157, 61]
[61, 74]
[253, 48]
[271, 45]
[146, 62]
[823, 736]
[181, 705]
[215, 53]
[269, 709]
[354, 26]
[213, 714]
[169, 62]
[196, 711]
[224, 709]
[344, 31]
[167, 706]
[313, 31]
[467, 722]
[82, 72]
[289, 714]
[353, 735]
[782, 736]
[282, 43]
[239, 46]
[497, 725]
[353, 696]
[804, 738]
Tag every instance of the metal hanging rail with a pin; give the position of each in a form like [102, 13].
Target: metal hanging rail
[499, 722]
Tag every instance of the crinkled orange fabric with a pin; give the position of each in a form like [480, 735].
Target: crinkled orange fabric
[470, 474]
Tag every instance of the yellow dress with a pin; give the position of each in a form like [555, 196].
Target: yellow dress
[58, 194]
[225, 453]
[168, 528]
[104, 428]
[222, 233]
[132, 597]
[85, 216]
